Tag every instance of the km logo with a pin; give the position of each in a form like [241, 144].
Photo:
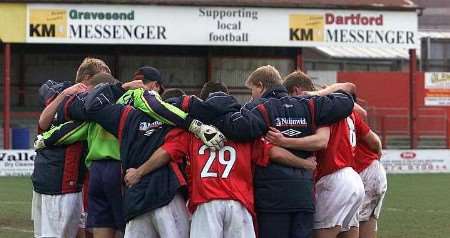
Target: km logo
[47, 23]
[42, 30]
[306, 27]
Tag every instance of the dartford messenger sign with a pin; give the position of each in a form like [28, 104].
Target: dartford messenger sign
[183, 25]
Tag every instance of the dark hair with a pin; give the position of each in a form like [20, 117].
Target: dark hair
[102, 78]
[298, 79]
[172, 93]
[212, 87]
[150, 74]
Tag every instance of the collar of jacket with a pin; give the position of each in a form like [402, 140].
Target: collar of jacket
[275, 92]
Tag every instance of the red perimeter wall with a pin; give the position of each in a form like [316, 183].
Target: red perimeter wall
[386, 96]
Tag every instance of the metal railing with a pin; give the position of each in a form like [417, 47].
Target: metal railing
[392, 124]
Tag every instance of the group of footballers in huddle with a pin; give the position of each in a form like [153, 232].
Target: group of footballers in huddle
[117, 159]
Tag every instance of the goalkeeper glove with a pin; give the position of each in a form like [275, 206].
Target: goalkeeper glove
[39, 142]
[210, 135]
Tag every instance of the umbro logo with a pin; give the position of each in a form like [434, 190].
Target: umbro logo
[149, 132]
[288, 105]
[291, 132]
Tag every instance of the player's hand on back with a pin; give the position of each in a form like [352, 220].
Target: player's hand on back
[132, 177]
[209, 135]
[311, 163]
[74, 89]
[310, 93]
[275, 137]
[133, 85]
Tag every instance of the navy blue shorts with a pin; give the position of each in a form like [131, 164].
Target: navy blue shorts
[105, 206]
[285, 225]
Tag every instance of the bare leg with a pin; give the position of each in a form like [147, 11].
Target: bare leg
[104, 232]
[327, 232]
[352, 233]
[368, 229]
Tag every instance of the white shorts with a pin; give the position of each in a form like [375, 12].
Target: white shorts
[222, 219]
[56, 215]
[338, 198]
[170, 221]
[375, 186]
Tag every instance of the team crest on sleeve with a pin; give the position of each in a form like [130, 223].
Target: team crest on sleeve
[149, 127]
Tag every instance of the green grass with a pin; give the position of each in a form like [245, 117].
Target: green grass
[416, 206]
[15, 207]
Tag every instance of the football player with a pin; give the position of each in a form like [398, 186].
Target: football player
[373, 176]
[58, 173]
[338, 189]
[283, 211]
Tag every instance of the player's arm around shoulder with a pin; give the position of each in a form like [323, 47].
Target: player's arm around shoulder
[64, 134]
[247, 124]
[47, 115]
[347, 87]
[331, 108]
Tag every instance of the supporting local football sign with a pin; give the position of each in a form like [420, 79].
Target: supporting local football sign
[188, 25]
[416, 161]
[16, 162]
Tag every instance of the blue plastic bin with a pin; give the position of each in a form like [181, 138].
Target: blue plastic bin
[21, 138]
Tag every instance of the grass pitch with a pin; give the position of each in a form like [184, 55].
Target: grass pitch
[416, 206]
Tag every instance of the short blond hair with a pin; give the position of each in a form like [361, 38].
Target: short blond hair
[267, 75]
[298, 79]
[90, 67]
[102, 78]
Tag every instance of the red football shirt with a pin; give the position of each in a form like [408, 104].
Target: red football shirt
[226, 174]
[364, 155]
[340, 151]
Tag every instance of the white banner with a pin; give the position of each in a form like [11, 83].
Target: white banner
[437, 89]
[16, 162]
[185, 25]
[416, 161]
[21, 162]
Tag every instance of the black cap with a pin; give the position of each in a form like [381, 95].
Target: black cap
[150, 74]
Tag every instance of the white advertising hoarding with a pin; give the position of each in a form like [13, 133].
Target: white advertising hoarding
[21, 162]
[185, 25]
[16, 162]
[416, 161]
[437, 89]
